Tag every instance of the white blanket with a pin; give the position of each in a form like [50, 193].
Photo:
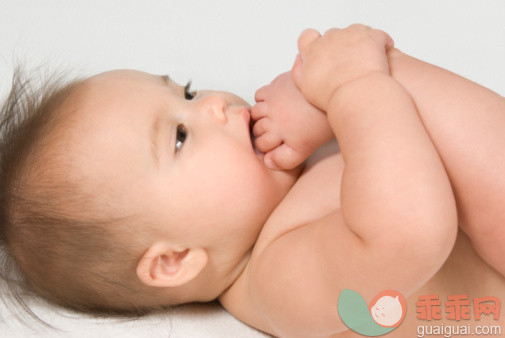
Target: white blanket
[191, 320]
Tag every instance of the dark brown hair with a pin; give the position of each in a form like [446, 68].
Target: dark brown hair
[60, 249]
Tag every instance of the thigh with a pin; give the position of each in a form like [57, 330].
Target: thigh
[466, 123]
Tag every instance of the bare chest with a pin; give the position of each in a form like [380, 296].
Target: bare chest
[315, 194]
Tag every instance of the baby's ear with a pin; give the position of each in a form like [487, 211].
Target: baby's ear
[164, 265]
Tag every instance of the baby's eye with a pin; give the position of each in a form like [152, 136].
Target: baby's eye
[188, 94]
[181, 134]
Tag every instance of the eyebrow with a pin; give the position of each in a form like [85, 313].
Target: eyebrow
[165, 79]
[154, 136]
[155, 129]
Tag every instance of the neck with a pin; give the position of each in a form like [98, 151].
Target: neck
[236, 287]
[237, 300]
[237, 274]
[215, 280]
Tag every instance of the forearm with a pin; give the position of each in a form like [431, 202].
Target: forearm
[394, 183]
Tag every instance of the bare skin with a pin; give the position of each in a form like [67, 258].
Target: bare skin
[464, 273]
[447, 106]
[276, 247]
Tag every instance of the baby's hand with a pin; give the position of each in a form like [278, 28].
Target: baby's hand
[340, 56]
[287, 127]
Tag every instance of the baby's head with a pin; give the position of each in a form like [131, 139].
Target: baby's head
[126, 192]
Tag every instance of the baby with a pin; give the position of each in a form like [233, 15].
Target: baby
[127, 192]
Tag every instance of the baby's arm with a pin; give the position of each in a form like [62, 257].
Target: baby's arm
[389, 159]
[466, 123]
[397, 221]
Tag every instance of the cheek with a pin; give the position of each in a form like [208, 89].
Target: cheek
[238, 185]
[234, 176]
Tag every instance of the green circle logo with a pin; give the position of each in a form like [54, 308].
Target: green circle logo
[384, 314]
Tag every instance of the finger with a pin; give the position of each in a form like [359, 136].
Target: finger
[306, 38]
[261, 127]
[268, 141]
[283, 157]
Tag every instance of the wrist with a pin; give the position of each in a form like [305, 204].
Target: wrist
[361, 90]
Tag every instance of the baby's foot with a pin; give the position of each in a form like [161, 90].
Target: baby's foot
[287, 128]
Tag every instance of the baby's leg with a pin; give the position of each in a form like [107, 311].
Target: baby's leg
[466, 123]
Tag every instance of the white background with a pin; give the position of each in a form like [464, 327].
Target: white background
[239, 45]
[230, 45]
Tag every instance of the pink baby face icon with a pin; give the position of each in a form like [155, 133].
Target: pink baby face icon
[388, 308]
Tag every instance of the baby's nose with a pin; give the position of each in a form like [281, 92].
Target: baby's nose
[214, 106]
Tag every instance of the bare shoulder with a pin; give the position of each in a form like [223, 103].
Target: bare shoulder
[315, 194]
[296, 281]
[284, 291]
[291, 285]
